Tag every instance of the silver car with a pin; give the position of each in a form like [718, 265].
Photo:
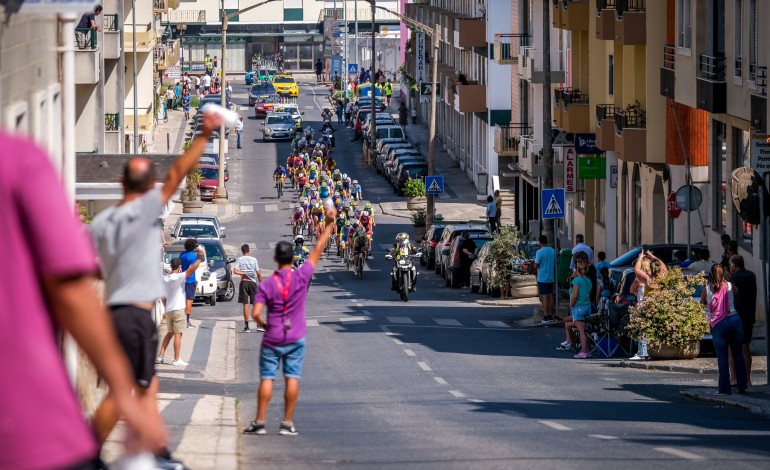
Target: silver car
[278, 126]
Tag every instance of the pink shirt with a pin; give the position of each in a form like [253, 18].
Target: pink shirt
[271, 294]
[41, 423]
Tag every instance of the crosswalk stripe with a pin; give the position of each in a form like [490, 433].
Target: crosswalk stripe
[493, 324]
[401, 320]
[679, 453]
[271, 208]
[247, 209]
[447, 322]
[311, 322]
[353, 319]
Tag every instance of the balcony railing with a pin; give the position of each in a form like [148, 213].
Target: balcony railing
[508, 138]
[159, 55]
[622, 6]
[760, 79]
[669, 56]
[712, 68]
[628, 119]
[605, 112]
[111, 121]
[507, 47]
[184, 16]
[753, 72]
[738, 67]
[572, 96]
[604, 5]
[85, 38]
[111, 22]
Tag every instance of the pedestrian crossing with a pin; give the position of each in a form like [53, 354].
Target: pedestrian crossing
[407, 322]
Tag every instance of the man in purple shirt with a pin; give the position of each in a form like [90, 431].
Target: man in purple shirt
[284, 295]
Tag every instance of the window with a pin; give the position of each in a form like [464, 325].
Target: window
[685, 23]
[720, 175]
[580, 194]
[742, 148]
[292, 14]
[738, 38]
[753, 38]
[611, 75]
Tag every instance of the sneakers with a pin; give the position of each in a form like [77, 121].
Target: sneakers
[246, 329]
[159, 360]
[190, 325]
[582, 355]
[168, 464]
[549, 321]
[255, 428]
[565, 347]
[637, 357]
[287, 430]
[259, 329]
[179, 362]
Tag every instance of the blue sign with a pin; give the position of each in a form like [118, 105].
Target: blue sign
[336, 65]
[434, 184]
[336, 35]
[353, 69]
[552, 203]
[585, 144]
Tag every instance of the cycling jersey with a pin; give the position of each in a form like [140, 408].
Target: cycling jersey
[324, 192]
[298, 214]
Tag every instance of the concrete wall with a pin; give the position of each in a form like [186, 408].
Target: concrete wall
[89, 115]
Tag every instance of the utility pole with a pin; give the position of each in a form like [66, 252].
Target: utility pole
[431, 206]
[355, 39]
[374, 87]
[549, 227]
[220, 196]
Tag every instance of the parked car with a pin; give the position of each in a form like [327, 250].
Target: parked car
[409, 170]
[397, 157]
[213, 160]
[206, 287]
[390, 132]
[448, 235]
[221, 265]
[196, 228]
[209, 181]
[428, 245]
[452, 260]
[200, 217]
[526, 264]
[479, 265]
[666, 252]
[215, 99]
[278, 126]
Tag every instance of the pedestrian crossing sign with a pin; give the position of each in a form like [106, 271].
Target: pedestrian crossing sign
[434, 184]
[353, 69]
[552, 203]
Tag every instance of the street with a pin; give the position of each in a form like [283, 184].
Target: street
[438, 382]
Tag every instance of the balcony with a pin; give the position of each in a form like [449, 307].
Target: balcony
[759, 100]
[573, 15]
[470, 33]
[112, 133]
[574, 115]
[165, 55]
[531, 65]
[630, 22]
[111, 47]
[530, 156]
[605, 126]
[87, 57]
[605, 20]
[667, 72]
[471, 98]
[163, 6]
[711, 88]
[508, 138]
[184, 17]
[631, 135]
[506, 47]
[145, 38]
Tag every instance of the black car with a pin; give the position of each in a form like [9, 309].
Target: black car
[428, 245]
[220, 265]
[259, 90]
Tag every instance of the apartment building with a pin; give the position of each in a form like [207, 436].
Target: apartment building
[466, 113]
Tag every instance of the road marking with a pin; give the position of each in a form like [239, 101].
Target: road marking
[679, 453]
[475, 400]
[409, 352]
[366, 312]
[602, 436]
[555, 425]
[309, 107]
[447, 322]
[271, 208]
[391, 334]
[247, 209]
[440, 380]
[353, 319]
[311, 322]
[424, 366]
[493, 324]
[457, 394]
[331, 278]
[401, 320]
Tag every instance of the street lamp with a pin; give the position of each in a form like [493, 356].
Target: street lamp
[220, 197]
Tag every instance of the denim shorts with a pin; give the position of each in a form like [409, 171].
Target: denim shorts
[292, 355]
[580, 313]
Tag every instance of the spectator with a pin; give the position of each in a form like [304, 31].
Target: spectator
[580, 309]
[607, 287]
[499, 206]
[239, 131]
[189, 258]
[52, 291]
[215, 63]
[186, 103]
[468, 250]
[581, 246]
[545, 263]
[461, 79]
[388, 91]
[725, 240]
[602, 261]
[86, 26]
[403, 115]
[319, 70]
[177, 95]
[348, 112]
[170, 97]
[491, 212]
[340, 111]
[726, 329]
[126, 237]
[284, 296]
[197, 87]
[647, 269]
[682, 261]
[251, 276]
[175, 303]
[206, 84]
[702, 265]
[745, 283]
[359, 134]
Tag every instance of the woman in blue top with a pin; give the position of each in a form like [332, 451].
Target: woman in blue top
[580, 308]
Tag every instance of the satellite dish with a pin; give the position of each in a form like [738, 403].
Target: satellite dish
[691, 203]
[747, 187]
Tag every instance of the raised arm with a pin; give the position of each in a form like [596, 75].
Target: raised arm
[193, 267]
[641, 275]
[320, 244]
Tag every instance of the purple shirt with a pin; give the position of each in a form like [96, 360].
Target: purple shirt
[270, 295]
[41, 423]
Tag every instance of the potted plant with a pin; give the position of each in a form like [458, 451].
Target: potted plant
[414, 190]
[670, 319]
[503, 249]
[419, 218]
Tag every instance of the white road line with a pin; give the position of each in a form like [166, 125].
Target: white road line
[475, 400]
[359, 304]
[602, 436]
[410, 353]
[493, 324]
[247, 209]
[424, 366]
[679, 453]
[447, 322]
[308, 107]
[397, 341]
[271, 208]
[352, 319]
[309, 322]
[401, 320]
[440, 380]
[555, 425]
[457, 394]
[391, 334]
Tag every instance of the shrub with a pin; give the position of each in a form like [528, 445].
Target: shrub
[503, 249]
[414, 188]
[419, 217]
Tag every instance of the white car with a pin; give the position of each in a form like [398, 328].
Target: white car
[196, 228]
[206, 287]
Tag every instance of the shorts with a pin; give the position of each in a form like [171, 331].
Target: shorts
[748, 330]
[292, 355]
[545, 288]
[189, 290]
[580, 313]
[247, 292]
[176, 321]
[139, 338]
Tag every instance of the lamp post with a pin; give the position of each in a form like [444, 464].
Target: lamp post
[374, 88]
[220, 197]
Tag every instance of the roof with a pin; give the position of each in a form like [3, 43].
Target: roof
[108, 168]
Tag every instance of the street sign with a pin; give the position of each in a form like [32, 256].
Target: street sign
[592, 167]
[673, 208]
[352, 69]
[585, 144]
[691, 203]
[760, 153]
[336, 35]
[336, 65]
[425, 88]
[434, 184]
[570, 170]
[552, 203]
[420, 56]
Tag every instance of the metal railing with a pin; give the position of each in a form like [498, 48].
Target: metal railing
[509, 136]
[504, 42]
[573, 96]
[111, 121]
[604, 5]
[712, 68]
[85, 38]
[111, 22]
[159, 54]
[622, 6]
[669, 56]
[628, 118]
[159, 5]
[565, 3]
[185, 16]
[738, 67]
[605, 112]
[760, 79]
[753, 72]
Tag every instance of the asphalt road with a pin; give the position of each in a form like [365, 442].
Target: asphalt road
[441, 382]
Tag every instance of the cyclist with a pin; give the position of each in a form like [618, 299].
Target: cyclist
[336, 176]
[297, 218]
[368, 226]
[342, 235]
[300, 251]
[360, 243]
[338, 201]
[278, 175]
[331, 164]
[357, 191]
[316, 217]
[324, 191]
[368, 207]
[313, 171]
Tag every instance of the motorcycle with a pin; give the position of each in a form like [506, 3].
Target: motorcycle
[404, 274]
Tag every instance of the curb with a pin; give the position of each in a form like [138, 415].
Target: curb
[392, 214]
[729, 403]
[651, 365]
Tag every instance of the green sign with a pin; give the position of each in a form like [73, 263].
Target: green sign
[425, 88]
[592, 167]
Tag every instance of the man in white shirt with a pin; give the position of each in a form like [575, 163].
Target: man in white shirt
[251, 276]
[175, 318]
[239, 130]
[197, 87]
[206, 84]
[581, 246]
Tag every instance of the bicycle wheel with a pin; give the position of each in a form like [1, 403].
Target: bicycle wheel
[360, 267]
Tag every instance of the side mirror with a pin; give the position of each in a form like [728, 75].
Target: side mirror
[231, 260]
[223, 236]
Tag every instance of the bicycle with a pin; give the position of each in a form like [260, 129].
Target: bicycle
[279, 187]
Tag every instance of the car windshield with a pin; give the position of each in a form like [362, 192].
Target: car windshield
[209, 173]
[284, 80]
[263, 72]
[528, 249]
[480, 242]
[626, 259]
[437, 233]
[169, 255]
[279, 120]
[197, 231]
[415, 172]
[213, 252]
[272, 71]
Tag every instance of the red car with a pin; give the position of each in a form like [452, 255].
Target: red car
[265, 105]
[209, 181]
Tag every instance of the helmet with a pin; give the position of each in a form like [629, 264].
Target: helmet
[302, 199]
[316, 204]
[337, 172]
[355, 181]
[324, 185]
[365, 214]
[339, 184]
[347, 223]
[323, 146]
[402, 237]
[351, 214]
[344, 175]
[368, 205]
[299, 239]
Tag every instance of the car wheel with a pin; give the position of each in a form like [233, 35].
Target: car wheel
[431, 263]
[474, 288]
[213, 300]
[229, 291]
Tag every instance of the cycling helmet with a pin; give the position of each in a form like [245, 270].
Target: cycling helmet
[355, 181]
[299, 239]
[324, 185]
[344, 175]
[302, 199]
[316, 204]
[351, 214]
[402, 237]
[347, 223]
[337, 172]
[368, 206]
[365, 214]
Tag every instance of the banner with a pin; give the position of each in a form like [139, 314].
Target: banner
[420, 54]
[570, 169]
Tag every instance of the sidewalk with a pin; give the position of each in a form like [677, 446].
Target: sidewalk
[169, 135]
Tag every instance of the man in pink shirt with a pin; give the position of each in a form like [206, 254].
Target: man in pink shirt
[51, 289]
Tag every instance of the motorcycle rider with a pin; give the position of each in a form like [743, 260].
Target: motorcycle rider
[402, 248]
